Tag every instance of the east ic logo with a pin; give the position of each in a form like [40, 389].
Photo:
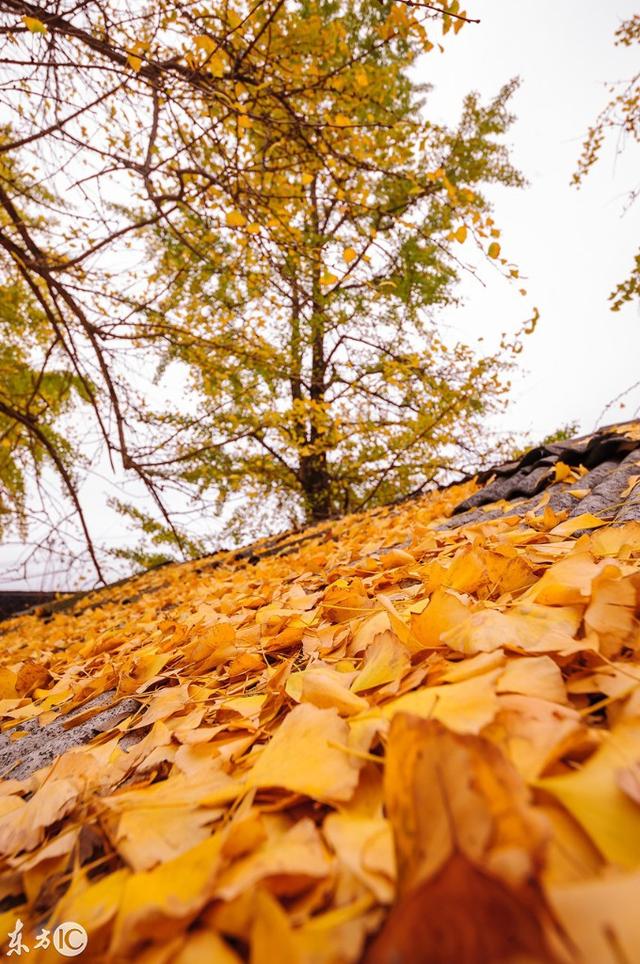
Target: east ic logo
[69, 938]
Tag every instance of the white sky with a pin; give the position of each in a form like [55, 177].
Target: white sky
[571, 246]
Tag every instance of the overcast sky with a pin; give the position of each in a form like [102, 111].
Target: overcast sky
[573, 246]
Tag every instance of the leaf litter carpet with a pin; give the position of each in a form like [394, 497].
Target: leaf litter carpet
[406, 737]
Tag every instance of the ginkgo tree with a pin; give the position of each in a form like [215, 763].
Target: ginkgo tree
[309, 307]
[620, 116]
[38, 388]
[254, 191]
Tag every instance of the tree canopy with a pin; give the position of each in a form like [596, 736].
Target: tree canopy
[253, 196]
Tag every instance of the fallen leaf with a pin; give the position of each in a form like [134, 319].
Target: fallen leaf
[628, 779]
[386, 659]
[592, 794]
[23, 828]
[584, 521]
[533, 676]
[364, 844]
[601, 918]
[308, 754]
[529, 628]
[289, 860]
[444, 612]
[465, 707]
[152, 901]
[469, 847]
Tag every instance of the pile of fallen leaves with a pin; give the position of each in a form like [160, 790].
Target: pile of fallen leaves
[394, 741]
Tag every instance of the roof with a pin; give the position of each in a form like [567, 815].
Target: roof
[14, 601]
[229, 754]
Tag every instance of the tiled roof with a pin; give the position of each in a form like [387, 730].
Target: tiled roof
[609, 486]
[608, 463]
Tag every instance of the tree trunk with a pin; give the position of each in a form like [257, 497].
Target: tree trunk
[314, 477]
[314, 466]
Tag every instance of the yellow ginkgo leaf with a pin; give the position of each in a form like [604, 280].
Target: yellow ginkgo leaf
[8, 681]
[349, 255]
[386, 660]
[586, 520]
[464, 707]
[592, 795]
[307, 178]
[296, 852]
[600, 916]
[174, 890]
[494, 250]
[216, 64]
[235, 219]
[202, 42]
[561, 471]
[461, 234]
[308, 754]
[34, 25]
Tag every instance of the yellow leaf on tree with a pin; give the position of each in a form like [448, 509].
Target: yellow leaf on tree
[34, 25]
[235, 219]
[216, 64]
[349, 255]
[203, 42]
[494, 250]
